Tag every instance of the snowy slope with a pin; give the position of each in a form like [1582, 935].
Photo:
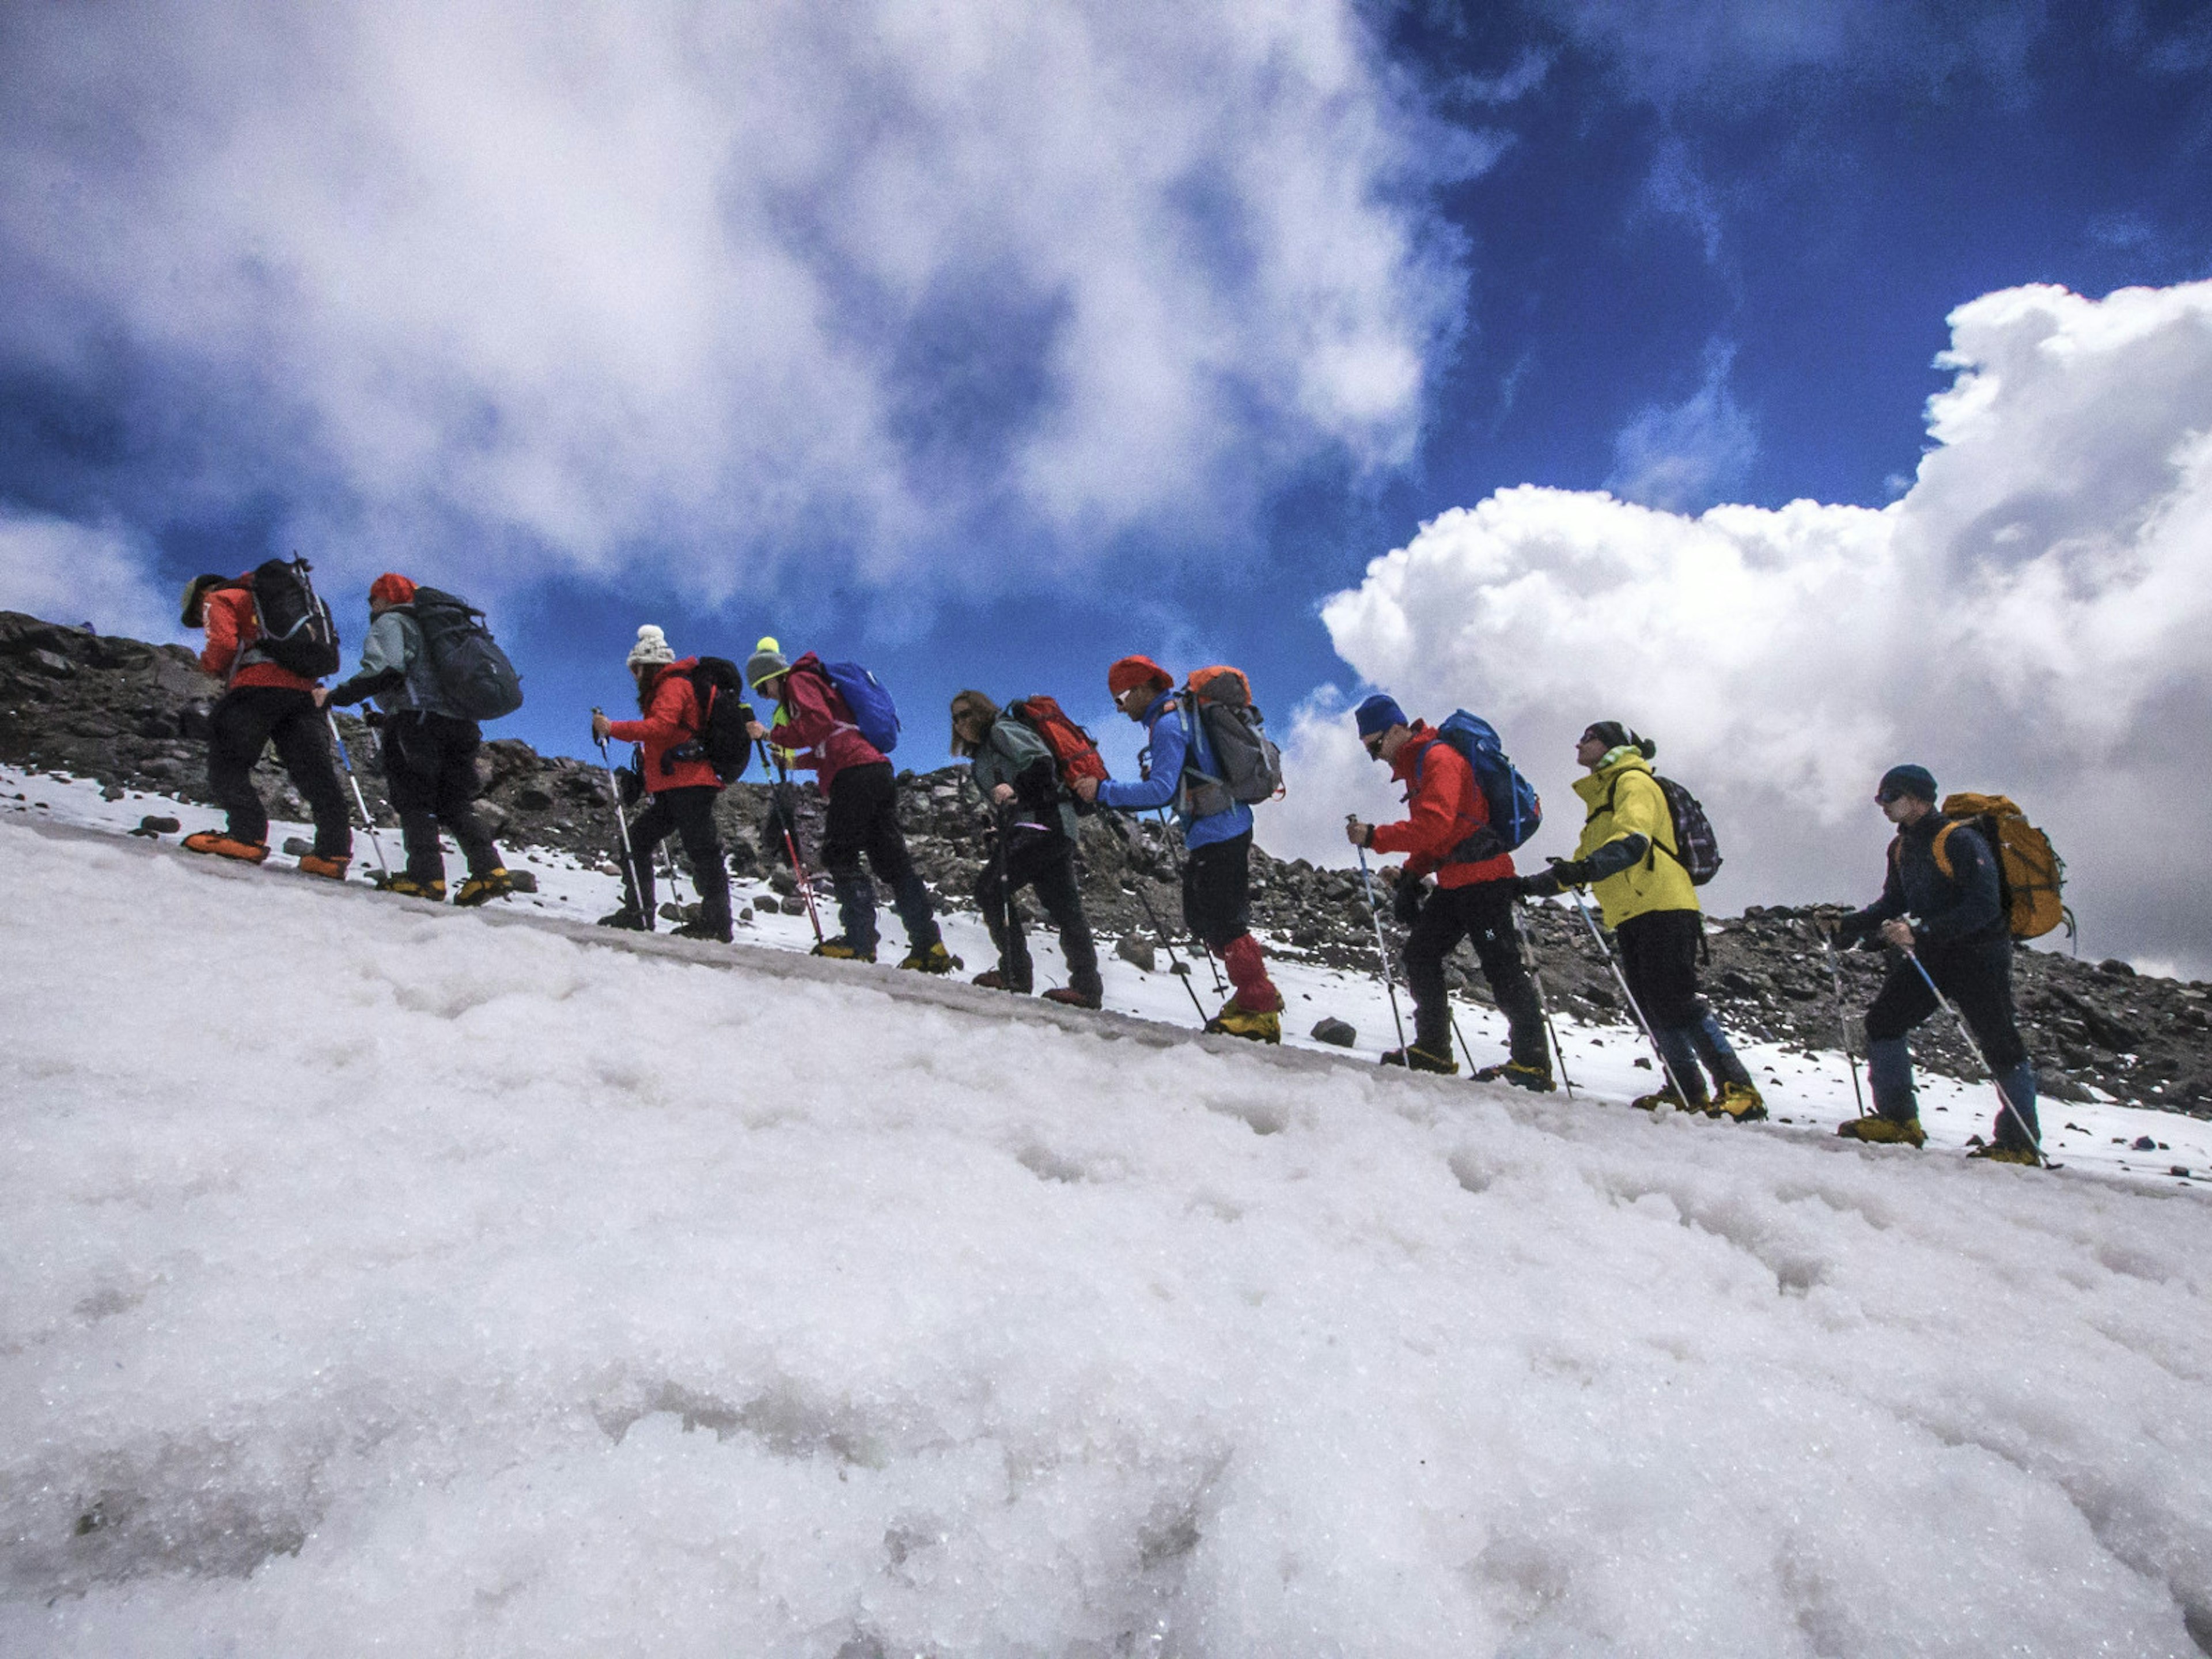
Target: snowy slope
[380, 1281]
[1803, 1087]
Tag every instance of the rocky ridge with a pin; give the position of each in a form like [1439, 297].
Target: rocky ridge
[110, 709]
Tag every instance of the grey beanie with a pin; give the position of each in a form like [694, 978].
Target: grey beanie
[651, 648]
[766, 662]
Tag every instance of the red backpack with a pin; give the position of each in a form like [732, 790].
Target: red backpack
[1072, 748]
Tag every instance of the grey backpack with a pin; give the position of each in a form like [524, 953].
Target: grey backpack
[1250, 767]
[473, 671]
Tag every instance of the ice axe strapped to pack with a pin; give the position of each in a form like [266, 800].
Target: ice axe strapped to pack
[1249, 767]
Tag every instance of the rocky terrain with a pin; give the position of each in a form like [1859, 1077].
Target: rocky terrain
[110, 709]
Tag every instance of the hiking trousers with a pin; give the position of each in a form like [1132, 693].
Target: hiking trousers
[1217, 907]
[1659, 952]
[863, 819]
[1978, 978]
[247, 721]
[1044, 861]
[1481, 914]
[430, 773]
[688, 813]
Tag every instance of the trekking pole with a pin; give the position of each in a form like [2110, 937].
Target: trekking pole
[1383, 954]
[1167, 833]
[1013, 916]
[1843, 1024]
[790, 844]
[1176, 966]
[360, 800]
[1635, 1008]
[1543, 1003]
[622, 818]
[2004, 1099]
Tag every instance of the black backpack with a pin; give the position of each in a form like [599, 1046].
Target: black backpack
[296, 630]
[472, 672]
[723, 714]
[1700, 853]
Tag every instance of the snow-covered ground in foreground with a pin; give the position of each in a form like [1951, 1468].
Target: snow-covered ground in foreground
[1803, 1087]
[378, 1280]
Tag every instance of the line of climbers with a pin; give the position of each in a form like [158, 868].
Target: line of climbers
[1645, 846]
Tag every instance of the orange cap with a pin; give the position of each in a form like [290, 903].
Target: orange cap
[392, 588]
[1133, 671]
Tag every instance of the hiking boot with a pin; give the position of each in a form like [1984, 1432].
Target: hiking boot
[992, 979]
[1666, 1096]
[407, 887]
[630, 919]
[1233, 1021]
[930, 959]
[840, 949]
[1068, 997]
[483, 888]
[703, 927]
[1740, 1103]
[314, 864]
[1535, 1078]
[2000, 1154]
[215, 841]
[1883, 1131]
[1415, 1059]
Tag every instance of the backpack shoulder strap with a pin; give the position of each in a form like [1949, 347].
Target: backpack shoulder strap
[1941, 856]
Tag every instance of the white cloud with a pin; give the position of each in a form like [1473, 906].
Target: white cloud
[1690, 453]
[722, 280]
[73, 573]
[2029, 617]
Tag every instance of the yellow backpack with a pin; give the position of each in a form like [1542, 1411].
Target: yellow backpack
[2030, 872]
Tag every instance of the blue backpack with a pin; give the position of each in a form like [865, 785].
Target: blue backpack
[1514, 809]
[871, 704]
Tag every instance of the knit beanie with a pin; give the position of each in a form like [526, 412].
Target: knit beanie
[1378, 715]
[1915, 781]
[1129, 673]
[652, 648]
[1613, 735]
[192, 609]
[392, 588]
[766, 662]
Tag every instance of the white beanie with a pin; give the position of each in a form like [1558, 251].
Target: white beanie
[652, 646]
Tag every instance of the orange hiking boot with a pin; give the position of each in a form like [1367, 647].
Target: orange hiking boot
[215, 841]
[314, 864]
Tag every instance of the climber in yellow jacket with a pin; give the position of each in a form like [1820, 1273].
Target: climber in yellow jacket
[1627, 856]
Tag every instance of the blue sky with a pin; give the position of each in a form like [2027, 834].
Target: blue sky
[987, 346]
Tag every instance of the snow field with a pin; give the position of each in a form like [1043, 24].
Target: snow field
[378, 1281]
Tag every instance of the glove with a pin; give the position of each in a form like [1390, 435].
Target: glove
[1570, 872]
[1406, 901]
[1543, 886]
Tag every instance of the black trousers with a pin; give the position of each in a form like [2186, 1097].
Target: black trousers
[1659, 959]
[1483, 915]
[1217, 890]
[247, 721]
[863, 819]
[1978, 981]
[430, 773]
[689, 812]
[1045, 862]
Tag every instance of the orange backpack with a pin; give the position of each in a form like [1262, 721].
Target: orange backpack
[2030, 872]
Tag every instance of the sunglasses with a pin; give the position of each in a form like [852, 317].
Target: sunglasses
[1373, 746]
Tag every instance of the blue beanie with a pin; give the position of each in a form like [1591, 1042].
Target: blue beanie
[1916, 781]
[1378, 713]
